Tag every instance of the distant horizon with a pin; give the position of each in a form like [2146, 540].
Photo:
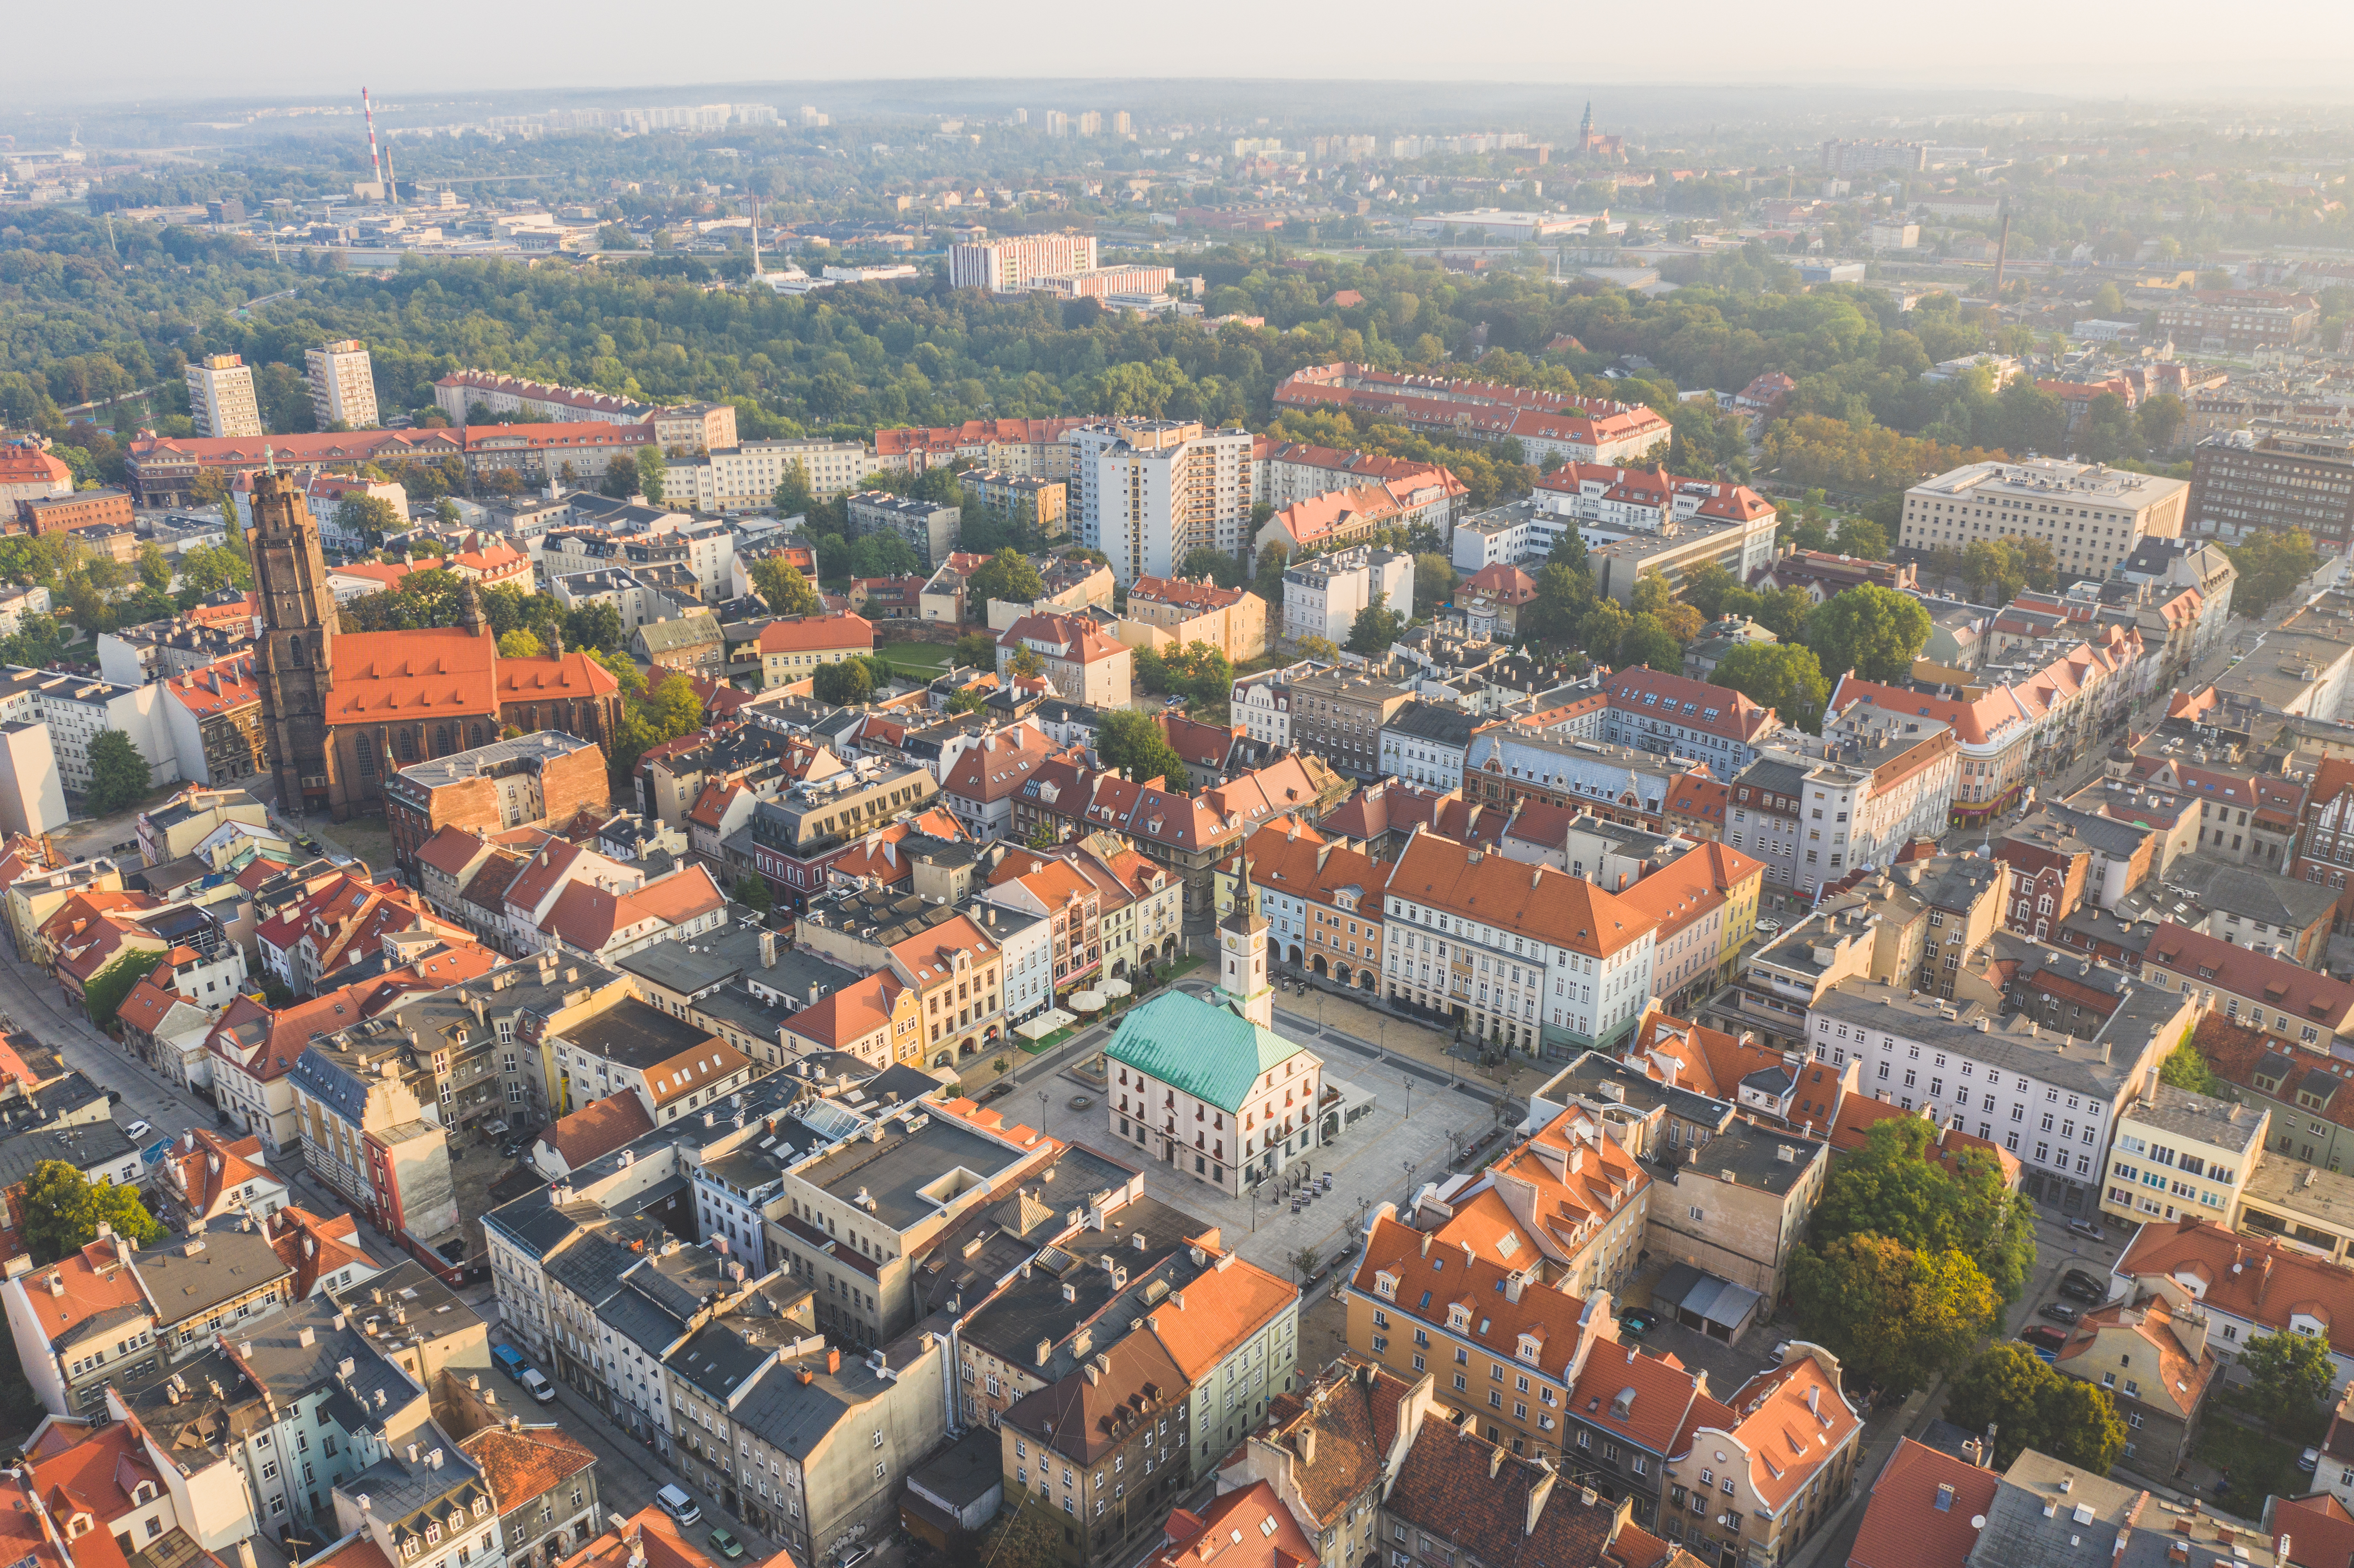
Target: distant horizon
[2300, 55]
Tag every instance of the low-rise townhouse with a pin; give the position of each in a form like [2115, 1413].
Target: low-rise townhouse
[1084, 663]
[1705, 903]
[674, 1067]
[2246, 1284]
[951, 961]
[1791, 1442]
[1106, 1445]
[79, 1324]
[2286, 1001]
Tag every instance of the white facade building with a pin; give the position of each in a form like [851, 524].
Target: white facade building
[1147, 491]
[220, 398]
[343, 385]
[1323, 595]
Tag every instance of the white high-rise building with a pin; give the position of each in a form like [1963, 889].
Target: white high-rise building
[220, 398]
[1057, 122]
[343, 385]
[1011, 264]
[1146, 491]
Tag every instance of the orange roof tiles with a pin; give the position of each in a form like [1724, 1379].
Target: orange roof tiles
[419, 676]
[315, 1248]
[818, 634]
[1921, 1508]
[1536, 900]
[1224, 1306]
[1249, 1527]
[527, 1464]
[81, 1285]
[1452, 1273]
[1793, 1420]
[598, 1128]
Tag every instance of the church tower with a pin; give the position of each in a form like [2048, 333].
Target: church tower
[298, 639]
[1243, 981]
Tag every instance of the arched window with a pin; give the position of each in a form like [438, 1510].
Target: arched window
[474, 734]
[294, 651]
[441, 740]
[407, 744]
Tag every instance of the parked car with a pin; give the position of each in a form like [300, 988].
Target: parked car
[137, 1129]
[2309, 1458]
[855, 1556]
[674, 1502]
[510, 1361]
[999, 1090]
[538, 1387]
[2043, 1337]
[725, 1543]
[2059, 1312]
[1638, 1322]
[2083, 1288]
[2088, 1230]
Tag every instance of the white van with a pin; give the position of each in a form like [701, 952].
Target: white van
[538, 1387]
[678, 1505]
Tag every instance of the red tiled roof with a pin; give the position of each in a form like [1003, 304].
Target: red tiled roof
[818, 634]
[1922, 1506]
[598, 1128]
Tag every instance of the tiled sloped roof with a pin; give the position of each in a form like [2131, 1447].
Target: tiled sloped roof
[1921, 1508]
[598, 1128]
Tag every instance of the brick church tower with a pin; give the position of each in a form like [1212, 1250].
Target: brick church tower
[298, 632]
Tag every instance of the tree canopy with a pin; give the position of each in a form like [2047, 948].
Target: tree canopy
[2008, 1387]
[1132, 743]
[1784, 676]
[64, 1208]
[1898, 1316]
[1876, 632]
[118, 775]
[1892, 1188]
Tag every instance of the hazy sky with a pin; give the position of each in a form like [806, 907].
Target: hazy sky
[2153, 49]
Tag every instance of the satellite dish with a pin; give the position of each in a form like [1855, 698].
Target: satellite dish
[1978, 1522]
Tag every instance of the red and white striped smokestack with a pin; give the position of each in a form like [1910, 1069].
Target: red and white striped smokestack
[375, 166]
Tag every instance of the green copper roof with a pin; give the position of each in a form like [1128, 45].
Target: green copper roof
[1206, 1050]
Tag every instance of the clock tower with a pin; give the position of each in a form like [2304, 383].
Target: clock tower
[1243, 981]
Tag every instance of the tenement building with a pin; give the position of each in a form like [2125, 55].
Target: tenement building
[2091, 514]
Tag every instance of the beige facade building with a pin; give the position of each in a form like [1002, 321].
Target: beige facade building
[744, 477]
[220, 398]
[2091, 514]
[343, 385]
[2179, 1153]
[1195, 609]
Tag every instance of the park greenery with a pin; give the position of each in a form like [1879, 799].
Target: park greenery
[2009, 1389]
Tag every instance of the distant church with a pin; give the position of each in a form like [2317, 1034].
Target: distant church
[343, 709]
[1593, 143]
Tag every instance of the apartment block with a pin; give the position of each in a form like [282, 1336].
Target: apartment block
[929, 529]
[1148, 492]
[744, 477]
[2091, 515]
[1009, 264]
[343, 385]
[2269, 478]
[1323, 595]
[220, 398]
[2238, 321]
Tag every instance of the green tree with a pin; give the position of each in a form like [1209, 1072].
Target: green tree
[2185, 1068]
[118, 774]
[64, 1208]
[1993, 570]
[594, 624]
[650, 474]
[1026, 664]
[2161, 420]
[845, 682]
[520, 644]
[1648, 642]
[1208, 561]
[2008, 1386]
[1705, 585]
[1862, 537]
[1007, 575]
[1601, 628]
[1376, 626]
[1898, 1316]
[976, 651]
[2271, 565]
[1199, 671]
[783, 590]
[445, 512]
[1434, 581]
[154, 570]
[1132, 743]
[2292, 1372]
[751, 891]
[208, 569]
[1892, 1188]
[793, 498]
[370, 516]
[1320, 649]
[1784, 676]
[1876, 632]
[1267, 577]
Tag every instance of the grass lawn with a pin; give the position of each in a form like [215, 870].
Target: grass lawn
[929, 658]
[2259, 1464]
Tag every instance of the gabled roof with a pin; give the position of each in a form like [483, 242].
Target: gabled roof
[818, 634]
[2246, 1276]
[1221, 1308]
[598, 1128]
[526, 1463]
[1921, 1510]
[1535, 900]
[1246, 1527]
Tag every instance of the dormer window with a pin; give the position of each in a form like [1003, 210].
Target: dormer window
[1385, 1286]
[432, 1535]
[1459, 1318]
[1528, 1348]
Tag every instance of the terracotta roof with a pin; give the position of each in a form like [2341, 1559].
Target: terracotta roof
[1246, 1527]
[1855, 1115]
[997, 767]
[1352, 1407]
[1691, 884]
[525, 1464]
[567, 678]
[2246, 1276]
[1698, 795]
[852, 1011]
[102, 1470]
[1195, 594]
[1496, 1506]
[1450, 1273]
[2294, 996]
[1295, 859]
[1921, 1508]
[649, 1535]
[1090, 1411]
[2316, 1528]
[211, 1170]
[818, 634]
[1070, 637]
[450, 851]
[95, 1279]
[1792, 1420]
[1534, 900]
[1394, 806]
[1224, 1306]
[315, 1248]
[419, 676]
[692, 1071]
[1688, 1055]
[1690, 702]
[2148, 1329]
[598, 1128]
